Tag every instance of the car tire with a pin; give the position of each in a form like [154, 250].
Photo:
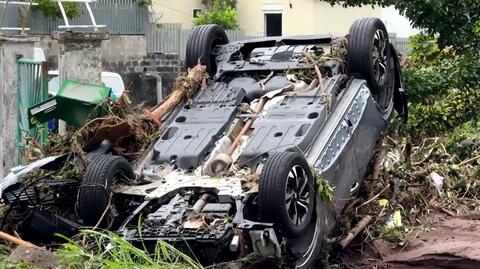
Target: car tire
[94, 196]
[370, 57]
[201, 45]
[281, 193]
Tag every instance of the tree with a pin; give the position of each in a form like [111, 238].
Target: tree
[223, 3]
[453, 22]
[221, 12]
[50, 8]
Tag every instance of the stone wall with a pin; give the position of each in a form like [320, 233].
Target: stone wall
[139, 75]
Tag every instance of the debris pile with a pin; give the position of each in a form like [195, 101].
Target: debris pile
[129, 129]
[124, 130]
[414, 190]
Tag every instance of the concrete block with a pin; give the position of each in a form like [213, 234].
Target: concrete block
[11, 48]
[80, 56]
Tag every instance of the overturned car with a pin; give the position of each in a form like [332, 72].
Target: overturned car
[237, 168]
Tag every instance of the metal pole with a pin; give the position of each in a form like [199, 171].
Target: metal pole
[24, 24]
[65, 18]
[94, 23]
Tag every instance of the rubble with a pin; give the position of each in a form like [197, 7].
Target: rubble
[435, 198]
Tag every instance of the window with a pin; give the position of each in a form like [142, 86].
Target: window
[273, 24]
[196, 12]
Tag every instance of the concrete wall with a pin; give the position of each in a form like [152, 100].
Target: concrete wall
[124, 48]
[297, 20]
[116, 48]
[127, 56]
[299, 16]
[173, 11]
[11, 48]
[80, 56]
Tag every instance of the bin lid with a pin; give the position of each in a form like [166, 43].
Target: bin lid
[85, 92]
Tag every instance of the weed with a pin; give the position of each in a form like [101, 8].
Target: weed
[108, 250]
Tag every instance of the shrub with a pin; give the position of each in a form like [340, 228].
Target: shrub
[218, 12]
[443, 87]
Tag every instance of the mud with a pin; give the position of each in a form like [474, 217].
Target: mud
[37, 258]
[450, 242]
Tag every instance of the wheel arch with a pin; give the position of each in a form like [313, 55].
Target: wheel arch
[400, 96]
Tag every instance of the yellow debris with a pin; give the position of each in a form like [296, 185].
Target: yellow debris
[383, 202]
[397, 219]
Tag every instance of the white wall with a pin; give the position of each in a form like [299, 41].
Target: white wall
[168, 11]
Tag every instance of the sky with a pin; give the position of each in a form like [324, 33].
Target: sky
[396, 23]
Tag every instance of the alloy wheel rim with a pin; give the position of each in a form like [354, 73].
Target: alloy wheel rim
[297, 195]
[379, 55]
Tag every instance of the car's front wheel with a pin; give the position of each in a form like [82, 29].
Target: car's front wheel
[286, 192]
[287, 197]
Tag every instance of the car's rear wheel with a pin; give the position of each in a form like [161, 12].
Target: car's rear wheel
[286, 193]
[201, 45]
[370, 58]
[95, 206]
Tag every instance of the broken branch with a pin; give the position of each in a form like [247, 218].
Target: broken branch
[373, 198]
[469, 160]
[377, 167]
[264, 81]
[17, 241]
[361, 225]
[183, 87]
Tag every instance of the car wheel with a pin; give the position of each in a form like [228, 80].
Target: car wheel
[286, 192]
[94, 196]
[201, 45]
[370, 58]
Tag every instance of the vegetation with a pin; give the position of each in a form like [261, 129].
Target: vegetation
[144, 3]
[95, 250]
[50, 8]
[443, 87]
[108, 250]
[454, 22]
[221, 12]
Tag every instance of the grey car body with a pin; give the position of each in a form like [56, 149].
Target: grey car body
[305, 132]
[337, 136]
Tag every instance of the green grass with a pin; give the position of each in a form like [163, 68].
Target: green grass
[95, 249]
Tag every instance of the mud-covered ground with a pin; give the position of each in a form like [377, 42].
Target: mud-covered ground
[448, 242]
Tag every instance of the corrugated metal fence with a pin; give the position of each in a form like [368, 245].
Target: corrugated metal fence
[172, 38]
[12, 16]
[122, 17]
[401, 44]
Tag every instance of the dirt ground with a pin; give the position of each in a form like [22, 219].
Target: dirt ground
[446, 242]
[38, 258]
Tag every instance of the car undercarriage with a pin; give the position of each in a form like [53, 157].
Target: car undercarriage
[237, 168]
